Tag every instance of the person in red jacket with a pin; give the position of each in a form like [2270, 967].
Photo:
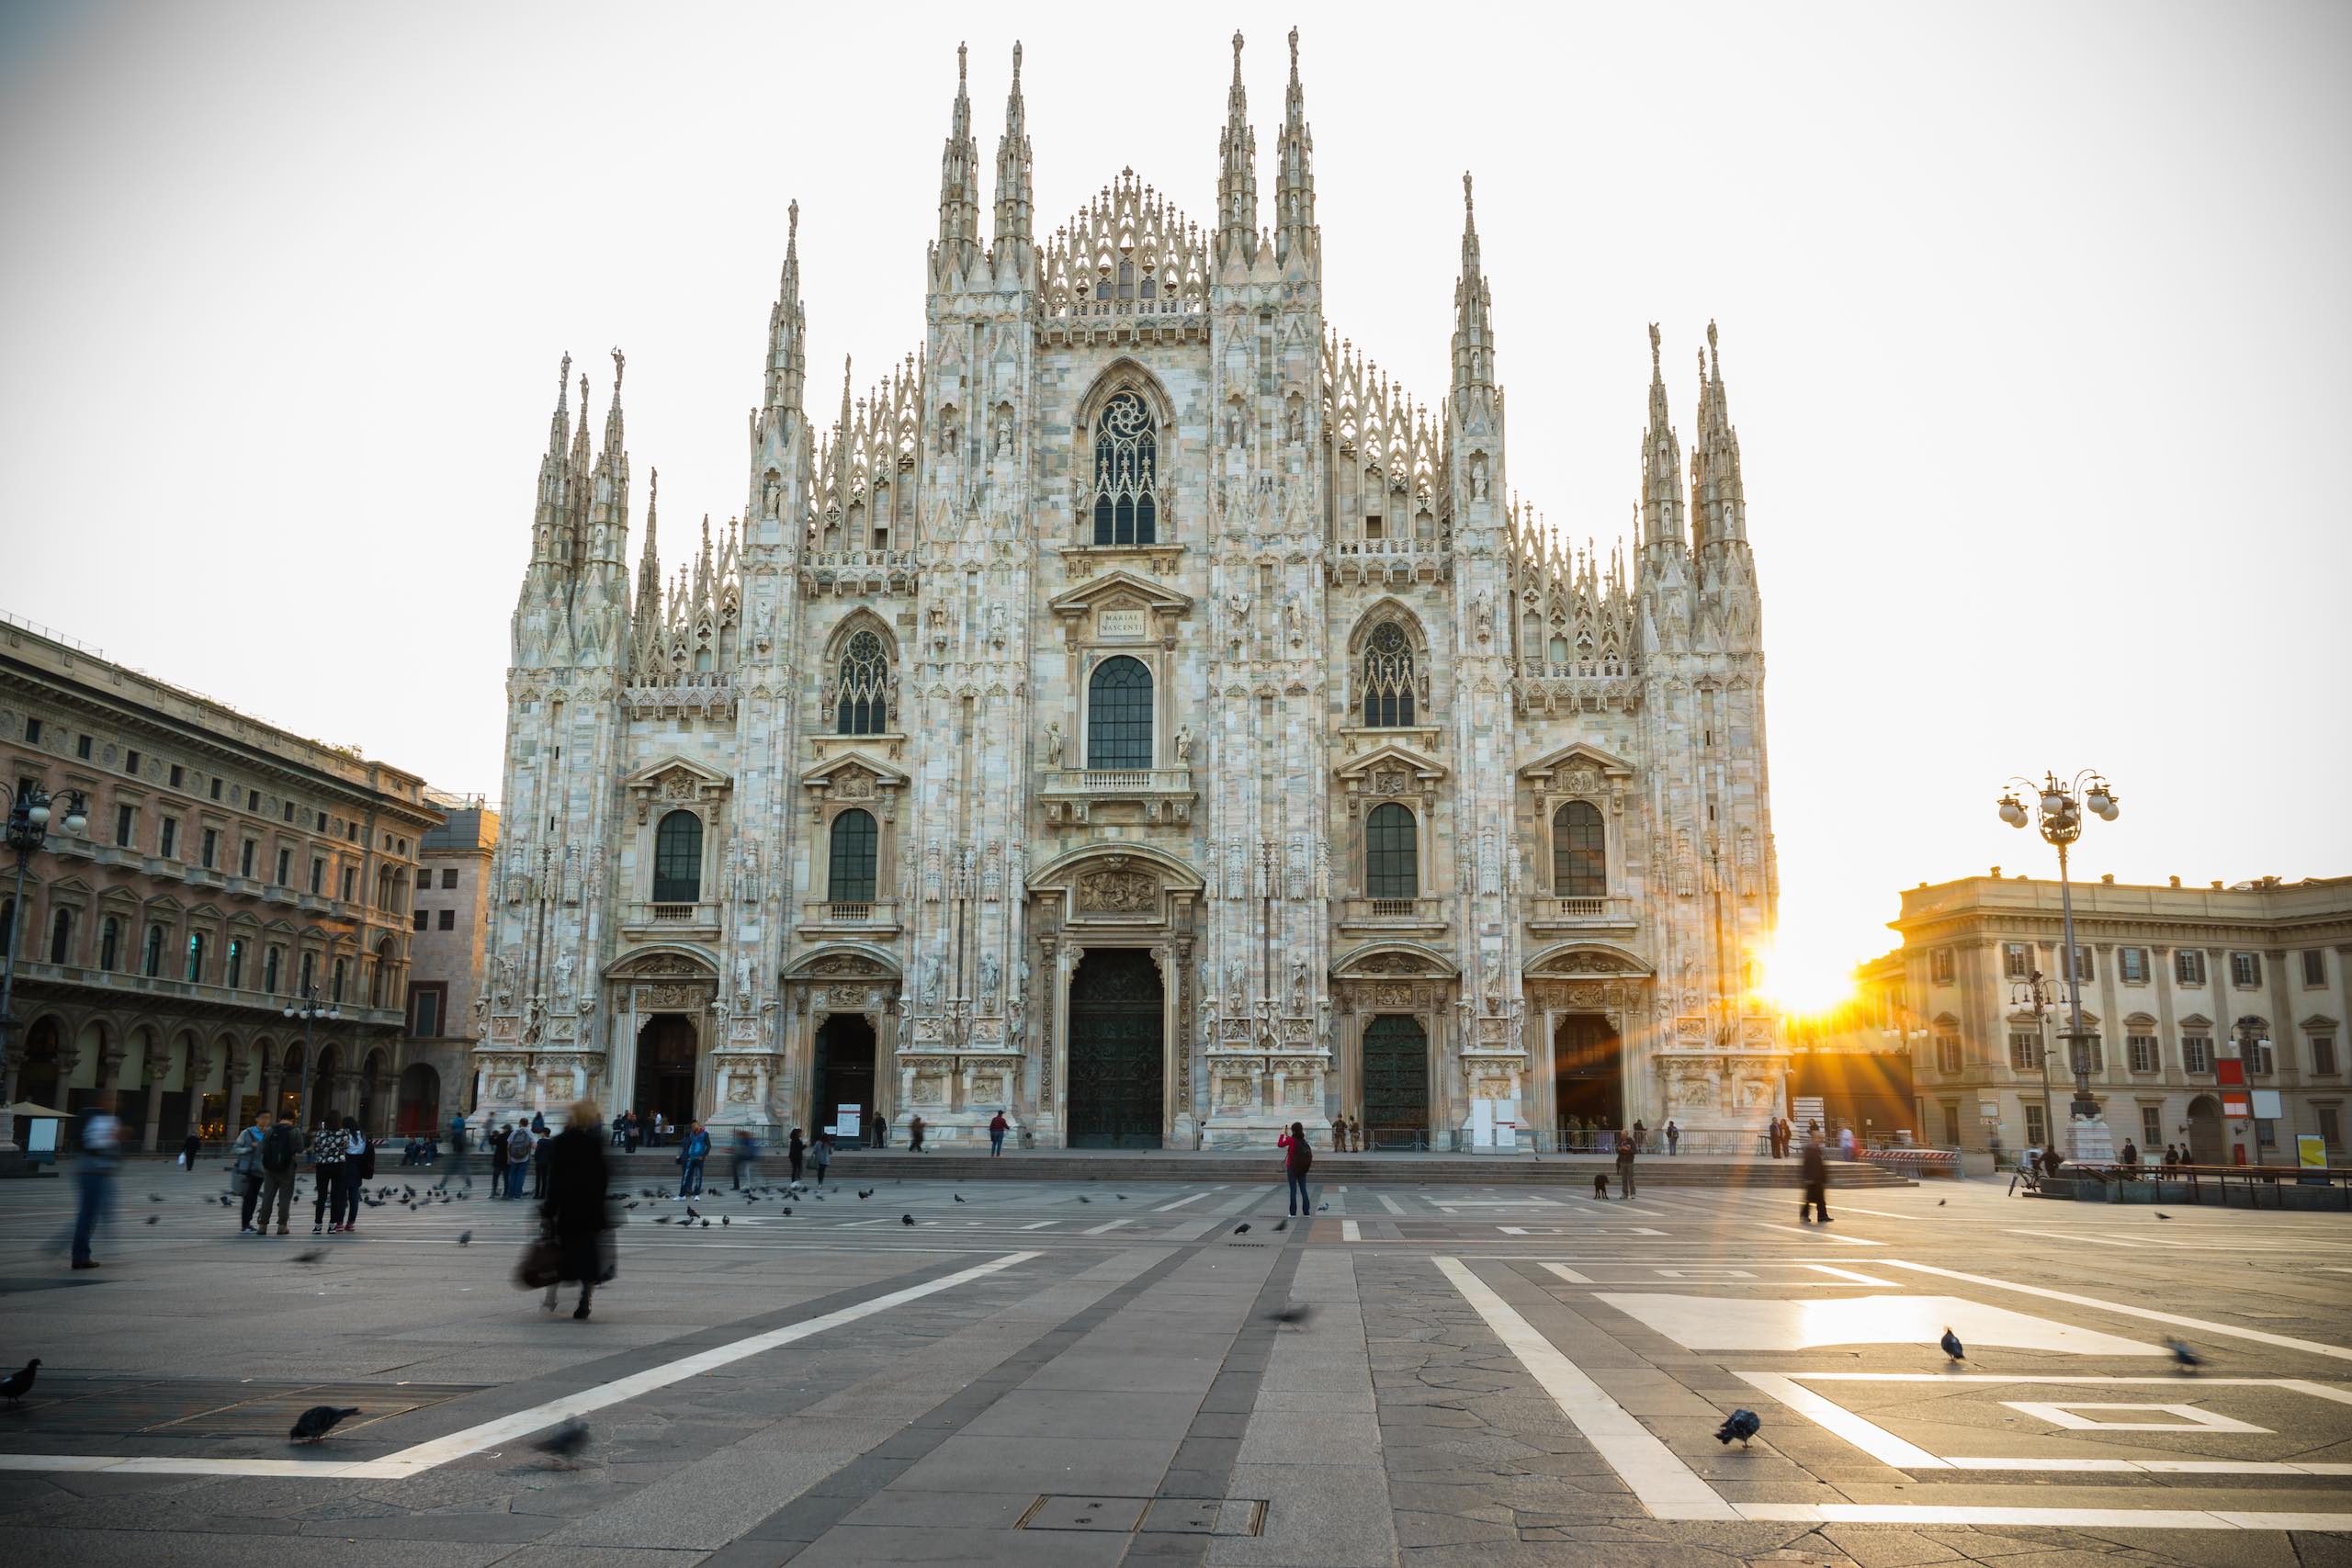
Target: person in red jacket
[1296, 1159]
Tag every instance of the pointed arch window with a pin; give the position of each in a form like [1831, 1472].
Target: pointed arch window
[677, 858]
[856, 844]
[1391, 861]
[1387, 678]
[1579, 852]
[109, 943]
[1127, 473]
[1118, 715]
[862, 706]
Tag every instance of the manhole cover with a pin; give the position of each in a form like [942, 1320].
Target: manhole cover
[1116, 1514]
[1154, 1516]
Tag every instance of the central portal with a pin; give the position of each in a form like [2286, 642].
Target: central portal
[843, 1070]
[1395, 1083]
[1116, 1013]
[1587, 1075]
[666, 1049]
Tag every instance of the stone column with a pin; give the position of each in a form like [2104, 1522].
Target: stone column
[154, 1129]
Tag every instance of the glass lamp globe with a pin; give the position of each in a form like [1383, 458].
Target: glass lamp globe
[75, 822]
[37, 814]
[2053, 803]
[2011, 812]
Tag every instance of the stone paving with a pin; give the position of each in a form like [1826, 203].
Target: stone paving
[1100, 1373]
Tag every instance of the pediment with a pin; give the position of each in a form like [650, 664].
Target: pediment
[843, 961]
[1586, 960]
[1564, 763]
[1391, 767]
[661, 774]
[1382, 960]
[1107, 590]
[2196, 1020]
[664, 964]
[2319, 1024]
[849, 773]
[1064, 871]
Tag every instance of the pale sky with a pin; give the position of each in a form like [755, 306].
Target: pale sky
[2035, 323]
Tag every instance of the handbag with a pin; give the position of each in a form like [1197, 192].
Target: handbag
[540, 1266]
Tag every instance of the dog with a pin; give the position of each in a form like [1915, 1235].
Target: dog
[1601, 1184]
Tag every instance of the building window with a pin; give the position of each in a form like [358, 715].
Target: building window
[2266, 1132]
[2196, 1053]
[309, 972]
[1127, 473]
[318, 875]
[1388, 683]
[2131, 965]
[216, 787]
[245, 858]
[2246, 970]
[1579, 852]
[1952, 1123]
[130, 763]
[2322, 1054]
[2331, 1129]
[2188, 967]
[1948, 1055]
[154, 965]
[61, 940]
[167, 837]
[126, 818]
[322, 820]
[422, 917]
[428, 1015]
[2314, 968]
[2083, 974]
[2017, 961]
[448, 920]
[109, 943]
[2151, 1126]
[269, 971]
[1118, 715]
[2259, 1060]
[194, 956]
[350, 882]
[1391, 861]
[2089, 1055]
[32, 731]
[2140, 1050]
[861, 705]
[856, 844]
[178, 774]
[290, 811]
[253, 800]
[1942, 966]
[210, 847]
[82, 748]
[236, 963]
[677, 858]
[351, 829]
[285, 866]
[2036, 1129]
[448, 878]
[2025, 1052]
[342, 968]
[8, 927]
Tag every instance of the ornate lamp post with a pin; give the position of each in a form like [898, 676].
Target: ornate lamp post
[310, 1010]
[2061, 808]
[2033, 992]
[29, 819]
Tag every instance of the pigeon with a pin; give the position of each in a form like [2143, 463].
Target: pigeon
[155, 1197]
[2183, 1358]
[1740, 1424]
[464, 1236]
[957, 1196]
[1241, 1229]
[630, 1204]
[706, 1225]
[315, 1255]
[663, 1219]
[1323, 1208]
[154, 1219]
[1084, 1199]
[224, 1200]
[1951, 1343]
[2160, 1213]
[318, 1421]
[1298, 1311]
[864, 1193]
[1282, 1225]
[18, 1384]
[1940, 1202]
[787, 1209]
[906, 1219]
[723, 1219]
[692, 1213]
[564, 1441]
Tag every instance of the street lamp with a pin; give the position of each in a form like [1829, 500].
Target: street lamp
[29, 819]
[2034, 992]
[2061, 809]
[310, 1010]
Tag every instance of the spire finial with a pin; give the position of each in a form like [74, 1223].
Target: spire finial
[1467, 205]
[620, 363]
[1654, 345]
[563, 378]
[1016, 65]
[962, 52]
[1237, 55]
[791, 227]
[1713, 353]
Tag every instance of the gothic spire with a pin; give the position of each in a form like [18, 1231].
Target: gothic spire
[1013, 201]
[1718, 500]
[551, 521]
[1473, 331]
[580, 485]
[607, 530]
[787, 327]
[1236, 180]
[1661, 464]
[648, 566]
[1294, 182]
[959, 182]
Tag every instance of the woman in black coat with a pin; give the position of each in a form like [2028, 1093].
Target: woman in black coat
[575, 1211]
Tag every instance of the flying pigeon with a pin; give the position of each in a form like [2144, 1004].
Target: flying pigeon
[1282, 1224]
[1951, 1343]
[464, 1236]
[630, 1204]
[2183, 1358]
[1298, 1311]
[18, 1384]
[318, 1421]
[864, 1193]
[1241, 1229]
[2160, 1213]
[1740, 1424]
[906, 1219]
[155, 1197]
[1084, 1199]
[957, 1196]
[1121, 1196]
[315, 1255]
[154, 1219]
[564, 1441]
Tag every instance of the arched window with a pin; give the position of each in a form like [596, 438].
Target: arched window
[109, 943]
[1127, 473]
[154, 965]
[194, 956]
[1387, 677]
[856, 842]
[269, 970]
[342, 968]
[1579, 852]
[677, 858]
[60, 936]
[1118, 715]
[9, 926]
[310, 972]
[862, 703]
[1391, 868]
[236, 963]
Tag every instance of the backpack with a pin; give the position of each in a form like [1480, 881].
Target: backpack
[277, 1149]
[367, 1157]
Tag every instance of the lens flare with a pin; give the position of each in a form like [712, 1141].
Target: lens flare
[1804, 979]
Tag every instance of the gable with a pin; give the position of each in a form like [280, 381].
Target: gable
[1579, 767]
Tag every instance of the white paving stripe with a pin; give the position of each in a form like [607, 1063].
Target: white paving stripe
[1180, 1202]
[1662, 1483]
[1108, 1226]
[1386, 1203]
[1350, 1230]
[439, 1451]
[2259, 1336]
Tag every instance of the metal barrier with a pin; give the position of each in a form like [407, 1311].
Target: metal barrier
[2201, 1184]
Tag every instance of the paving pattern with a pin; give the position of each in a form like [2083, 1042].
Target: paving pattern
[1111, 1372]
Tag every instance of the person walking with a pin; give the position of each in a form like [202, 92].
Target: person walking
[98, 1145]
[996, 1125]
[459, 1164]
[659, 1127]
[1627, 1144]
[1297, 1161]
[693, 1149]
[1817, 1182]
[1673, 1138]
[746, 1150]
[541, 1151]
[914, 1136]
[1845, 1142]
[359, 1170]
[2131, 1157]
[796, 1152]
[282, 1156]
[190, 1146]
[500, 1140]
[636, 1134]
[820, 1154]
[244, 1160]
[576, 1212]
[519, 1145]
[327, 1149]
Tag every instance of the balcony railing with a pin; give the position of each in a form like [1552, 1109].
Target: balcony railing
[874, 917]
[1393, 914]
[1551, 913]
[1163, 795]
[671, 917]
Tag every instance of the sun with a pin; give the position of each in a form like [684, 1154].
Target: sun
[1805, 978]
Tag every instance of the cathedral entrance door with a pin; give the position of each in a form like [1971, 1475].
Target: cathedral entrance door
[1396, 1082]
[666, 1048]
[842, 1073]
[1587, 1078]
[1115, 1050]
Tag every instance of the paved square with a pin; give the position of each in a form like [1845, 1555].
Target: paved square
[1409, 1376]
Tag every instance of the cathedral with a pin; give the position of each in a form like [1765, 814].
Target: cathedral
[1137, 715]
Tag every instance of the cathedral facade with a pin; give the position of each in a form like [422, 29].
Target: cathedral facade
[1139, 717]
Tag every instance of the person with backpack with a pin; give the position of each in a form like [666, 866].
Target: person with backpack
[693, 1149]
[99, 1150]
[797, 1152]
[517, 1152]
[326, 1154]
[1297, 1159]
[459, 1164]
[358, 1168]
[281, 1154]
[244, 1164]
[820, 1154]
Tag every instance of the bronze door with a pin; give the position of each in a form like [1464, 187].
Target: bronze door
[843, 1071]
[1396, 1082]
[1115, 1051]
